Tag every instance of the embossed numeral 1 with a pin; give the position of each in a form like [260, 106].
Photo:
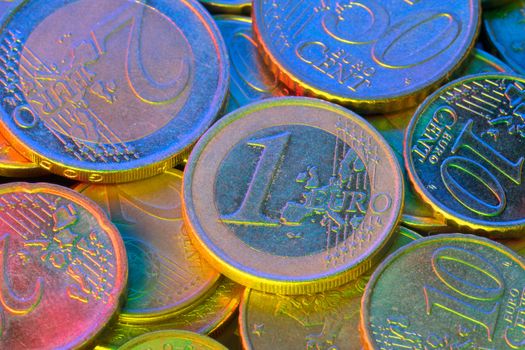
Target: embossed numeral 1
[250, 212]
[479, 173]
[474, 286]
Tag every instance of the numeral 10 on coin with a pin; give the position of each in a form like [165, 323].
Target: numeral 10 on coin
[471, 287]
[479, 173]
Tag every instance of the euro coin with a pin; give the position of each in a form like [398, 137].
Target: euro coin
[292, 195]
[165, 340]
[63, 264]
[13, 164]
[449, 292]
[328, 320]
[166, 273]
[464, 152]
[110, 91]
[375, 56]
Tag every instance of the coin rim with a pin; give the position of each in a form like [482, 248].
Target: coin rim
[366, 337]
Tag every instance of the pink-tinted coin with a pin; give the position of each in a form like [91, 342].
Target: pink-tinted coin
[63, 268]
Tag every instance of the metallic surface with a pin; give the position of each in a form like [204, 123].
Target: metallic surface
[94, 95]
[13, 164]
[505, 27]
[446, 292]
[167, 340]
[166, 273]
[228, 6]
[328, 320]
[63, 265]
[250, 79]
[491, 4]
[464, 151]
[204, 317]
[292, 195]
[376, 56]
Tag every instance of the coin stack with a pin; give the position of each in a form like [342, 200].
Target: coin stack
[266, 174]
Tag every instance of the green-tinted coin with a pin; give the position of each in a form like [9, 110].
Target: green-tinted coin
[446, 292]
[172, 340]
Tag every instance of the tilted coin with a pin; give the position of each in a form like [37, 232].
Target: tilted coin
[377, 56]
[110, 91]
[228, 6]
[63, 264]
[166, 340]
[446, 292]
[464, 152]
[205, 317]
[292, 195]
[166, 273]
[505, 27]
[13, 164]
[328, 320]
[250, 79]
[480, 61]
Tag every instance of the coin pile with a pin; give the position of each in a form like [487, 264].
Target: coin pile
[266, 174]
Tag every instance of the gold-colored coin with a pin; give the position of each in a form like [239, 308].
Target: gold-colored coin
[204, 317]
[328, 320]
[166, 273]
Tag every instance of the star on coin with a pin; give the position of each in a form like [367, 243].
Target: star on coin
[258, 329]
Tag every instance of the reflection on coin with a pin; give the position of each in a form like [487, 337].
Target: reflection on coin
[250, 79]
[464, 153]
[446, 292]
[63, 268]
[166, 340]
[377, 56]
[95, 95]
[13, 164]
[292, 195]
[166, 273]
[505, 27]
[328, 320]
[205, 317]
[228, 6]
[480, 61]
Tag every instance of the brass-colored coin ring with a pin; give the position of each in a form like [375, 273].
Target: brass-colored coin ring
[327, 320]
[166, 273]
[173, 339]
[464, 152]
[63, 267]
[463, 290]
[110, 91]
[292, 182]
